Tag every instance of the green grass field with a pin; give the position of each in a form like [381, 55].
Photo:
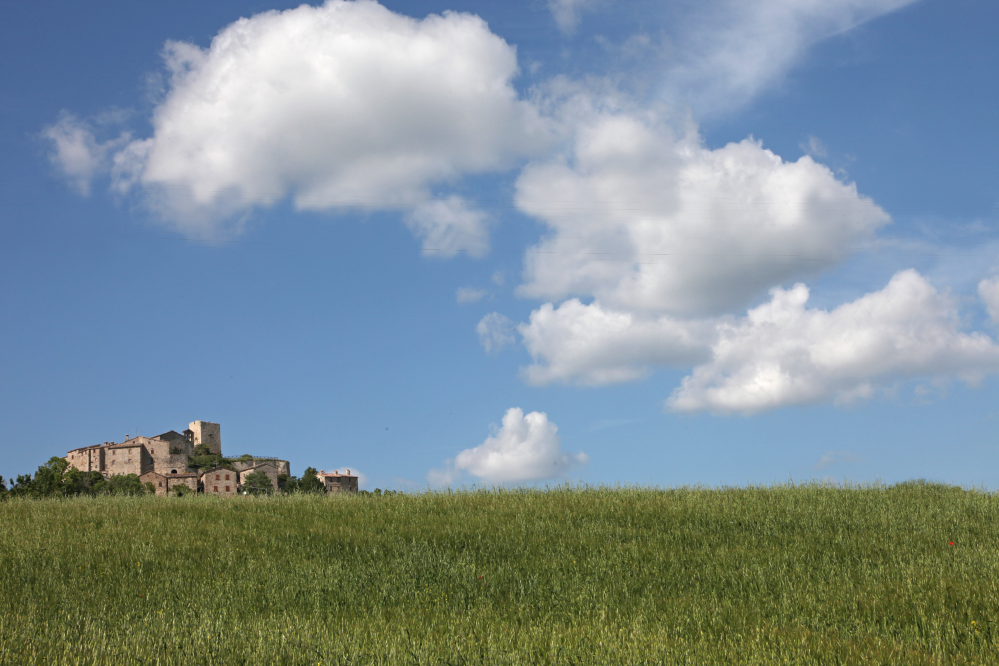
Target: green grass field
[798, 574]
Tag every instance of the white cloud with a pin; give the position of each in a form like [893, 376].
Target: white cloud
[469, 295]
[75, 151]
[495, 331]
[498, 278]
[988, 290]
[525, 448]
[784, 354]
[644, 218]
[567, 12]
[347, 105]
[448, 227]
[587, 344]
[728, 51]
[814, 147]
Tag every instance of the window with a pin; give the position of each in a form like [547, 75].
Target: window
[216, 488]
[226, 478]
[152, 452]
[227, 488]
[216, 477]
[161, 484]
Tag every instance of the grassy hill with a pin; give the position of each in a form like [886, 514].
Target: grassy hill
[798, 574]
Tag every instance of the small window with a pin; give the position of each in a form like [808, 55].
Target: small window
[216, 477]
[227, 488]
[216, 488]
[226, 478]
[161, 484]
[152, 452]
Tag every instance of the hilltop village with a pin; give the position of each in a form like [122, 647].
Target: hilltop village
[193, 459]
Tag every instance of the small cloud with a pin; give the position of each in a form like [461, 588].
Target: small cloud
[76, 152]
[832, 457]
[525, 448]
[469, 295]
[567, 12]
[495, 332]
[814, 147]
[499, 278]
[448, 227]
[988, 290]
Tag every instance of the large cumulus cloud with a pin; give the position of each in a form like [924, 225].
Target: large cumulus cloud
[783, 353]
[644, 217]
[338, 106]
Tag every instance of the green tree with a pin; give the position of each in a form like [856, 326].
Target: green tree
[310, 483]
[257, 483]
[125, 484]
[202, 450]
[180, 490]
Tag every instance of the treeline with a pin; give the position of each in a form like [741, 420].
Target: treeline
[57, 478]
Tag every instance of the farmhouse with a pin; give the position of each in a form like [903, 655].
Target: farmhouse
[337, 482]
[171, 459]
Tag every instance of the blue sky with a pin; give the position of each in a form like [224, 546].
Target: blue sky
[720, 242]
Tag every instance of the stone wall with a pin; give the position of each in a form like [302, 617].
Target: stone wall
[281, 466]
[269, 469]
[338, 483]
[127, 458]
[220, 481]
[208, 433]
[89, 459]
[189, 480]
[158, 480]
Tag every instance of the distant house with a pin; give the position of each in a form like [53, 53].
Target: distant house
[270, 469]
[220, 481]
[336, 482]
[158, 480]
[189, 479]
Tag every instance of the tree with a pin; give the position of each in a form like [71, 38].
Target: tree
[202, 450]
[126, 484]
[310, 483]
[180, 490]
[257, 483]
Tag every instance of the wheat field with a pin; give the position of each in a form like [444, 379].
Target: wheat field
[795, 574]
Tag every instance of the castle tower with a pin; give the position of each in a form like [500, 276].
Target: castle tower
[208, 433]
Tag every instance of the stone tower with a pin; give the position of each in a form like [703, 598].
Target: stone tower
[208, 433]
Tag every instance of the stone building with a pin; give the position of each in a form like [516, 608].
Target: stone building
[220, 481]
[87, 458]
[337, 482]
[189, 479]
[158, 480]
[268, 468]
[129, 457]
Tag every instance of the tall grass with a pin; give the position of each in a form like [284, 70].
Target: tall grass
[794, 574]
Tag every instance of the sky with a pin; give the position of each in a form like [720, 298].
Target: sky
[723, 242]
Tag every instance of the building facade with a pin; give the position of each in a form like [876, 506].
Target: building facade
[337, 482]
